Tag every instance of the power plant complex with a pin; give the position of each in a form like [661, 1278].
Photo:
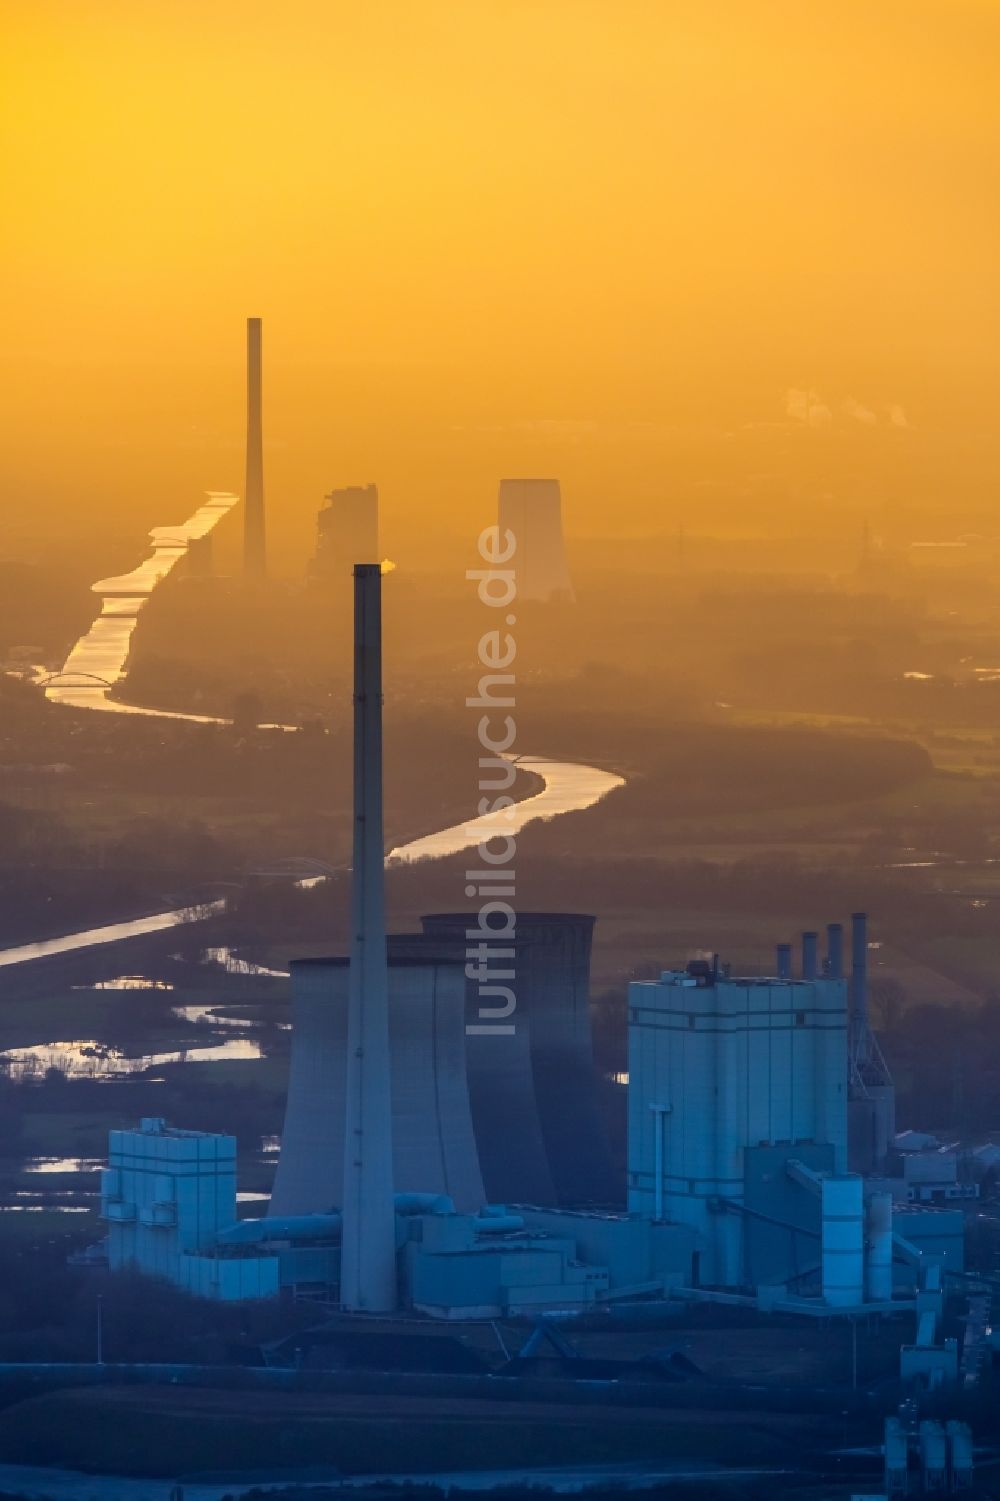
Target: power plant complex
[452, 1171]
[459, 1172]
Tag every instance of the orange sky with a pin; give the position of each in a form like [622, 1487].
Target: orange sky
[595, 238]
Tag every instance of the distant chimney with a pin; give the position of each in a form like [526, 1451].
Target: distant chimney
[784, 953]
[254, 552]
[835, 950]
[810, 950]
[859, 972]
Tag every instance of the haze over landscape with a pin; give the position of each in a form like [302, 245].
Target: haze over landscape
[560, 238]
[679, 322]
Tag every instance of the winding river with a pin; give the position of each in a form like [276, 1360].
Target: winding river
[99, 660]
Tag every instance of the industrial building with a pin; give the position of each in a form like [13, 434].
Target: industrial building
[531, 509]
[347, 528]
[721, 1073]
[166, 1195]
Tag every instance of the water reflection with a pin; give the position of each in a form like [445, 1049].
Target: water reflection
[99, 659]
[568, 788]
[201, 1014]
[63, 1165]
[70, 943]
[45, 1209]
[90, 1059]
[127, 982]
[236, 966]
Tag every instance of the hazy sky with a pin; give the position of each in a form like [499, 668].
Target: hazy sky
[661, 248]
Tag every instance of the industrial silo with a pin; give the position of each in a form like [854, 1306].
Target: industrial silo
[536, 1085]
[434, 1148]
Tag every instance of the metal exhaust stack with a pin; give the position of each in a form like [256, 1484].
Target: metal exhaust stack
[368, 1278]
[784, 953]
[810, 950]
[835, 950]
[859, 972]
[254, 565]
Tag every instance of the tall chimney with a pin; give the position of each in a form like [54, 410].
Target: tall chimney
[254, 557]
[784, 958]
[810, 942]
[859, 972]
[368, 1246]
[835, 950]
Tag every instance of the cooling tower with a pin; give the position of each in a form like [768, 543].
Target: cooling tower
[532, 510]
[434, 1148]
[347, 528]
[535, 1103]
[254, 560]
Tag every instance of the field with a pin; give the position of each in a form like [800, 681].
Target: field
[171, 1431]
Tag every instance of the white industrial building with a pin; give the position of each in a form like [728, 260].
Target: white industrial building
[720, 1069]
[166, 1195]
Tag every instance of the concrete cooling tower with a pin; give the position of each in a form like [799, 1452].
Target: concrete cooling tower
[505, 1118]
[532, 510]
[535, 1104]
[434, 1149]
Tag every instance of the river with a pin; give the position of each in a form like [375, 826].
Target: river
[99, 660]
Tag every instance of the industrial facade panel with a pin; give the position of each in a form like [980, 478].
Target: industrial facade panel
[543, 1073]
[434, 1147]
[720, 1068]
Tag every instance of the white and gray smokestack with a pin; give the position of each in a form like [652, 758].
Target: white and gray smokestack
[368, 1248]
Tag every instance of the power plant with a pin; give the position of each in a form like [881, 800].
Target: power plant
[531, 510]
[738, 1178]
[347, 528]
[254, 540]
[454, 1172]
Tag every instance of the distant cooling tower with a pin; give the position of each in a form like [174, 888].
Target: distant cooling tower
[347, 529]
[532, 510]
[434, 1147]
[535, 1104]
